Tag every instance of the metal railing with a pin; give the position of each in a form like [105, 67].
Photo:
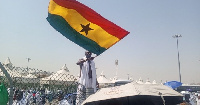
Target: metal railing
[33, 86]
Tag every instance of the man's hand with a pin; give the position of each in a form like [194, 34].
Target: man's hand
[91, 58]
[80, 62]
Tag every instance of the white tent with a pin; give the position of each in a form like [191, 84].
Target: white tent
[11, 73]
[140, 81]
[104, 82]
[61, 76]
[135, 94]
[148, 81]
[30, 78]
[10, 69]
[16, 75]
[8, 62]
[154, 82]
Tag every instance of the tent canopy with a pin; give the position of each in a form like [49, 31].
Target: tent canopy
[62, 75]
[173, 84]
[132, 91]
[30, 76]
[102, 79]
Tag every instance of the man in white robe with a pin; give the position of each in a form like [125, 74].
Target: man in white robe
[87, 71]
[87, 77]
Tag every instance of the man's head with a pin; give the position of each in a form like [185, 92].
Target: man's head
[88, 54]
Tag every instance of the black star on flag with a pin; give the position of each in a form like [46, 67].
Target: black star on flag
[86, 28]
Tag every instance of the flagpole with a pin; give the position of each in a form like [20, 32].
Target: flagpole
[28, 59]
[116, 63]
[177, 36]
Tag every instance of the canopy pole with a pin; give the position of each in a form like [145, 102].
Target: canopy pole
[162, 98]
[11, 83]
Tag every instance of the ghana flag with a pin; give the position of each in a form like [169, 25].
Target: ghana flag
[84, 26]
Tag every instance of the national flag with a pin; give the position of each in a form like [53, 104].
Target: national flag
[84, 26]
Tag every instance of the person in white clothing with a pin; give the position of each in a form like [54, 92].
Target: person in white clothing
[87, 77]
[198, 99]
[87, 71]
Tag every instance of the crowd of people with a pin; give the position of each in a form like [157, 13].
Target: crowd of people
[190, 98]
[42, 97]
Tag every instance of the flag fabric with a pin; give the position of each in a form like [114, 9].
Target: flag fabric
[83, 26]
[3, 95]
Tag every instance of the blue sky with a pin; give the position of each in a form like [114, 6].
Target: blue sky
[149, 51]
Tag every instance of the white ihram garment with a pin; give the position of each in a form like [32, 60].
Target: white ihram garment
[84, 79]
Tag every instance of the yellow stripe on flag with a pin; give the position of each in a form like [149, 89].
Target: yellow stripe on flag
[74, 19]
